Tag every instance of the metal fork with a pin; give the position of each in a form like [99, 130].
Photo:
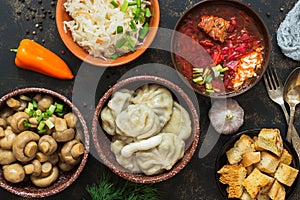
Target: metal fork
[275, 91]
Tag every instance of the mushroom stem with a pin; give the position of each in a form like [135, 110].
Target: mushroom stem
[77, 150]
[30, 149]
[45, 181]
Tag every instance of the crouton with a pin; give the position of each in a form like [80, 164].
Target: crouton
[270, 139]
[233, 176]
[286, 174]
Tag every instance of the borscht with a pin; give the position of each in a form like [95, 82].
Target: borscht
[220, 48]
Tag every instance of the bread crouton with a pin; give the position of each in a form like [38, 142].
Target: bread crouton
[250, 158]
[286, 157]
[268, 162]
[277, 191]
[286, 174]
[270, 139]
[243, 145]
[255, 181]
[233, 176]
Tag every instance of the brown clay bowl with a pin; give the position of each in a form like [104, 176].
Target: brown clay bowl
[79, 52]
[65, 179]
[102, 141]
[198, 56]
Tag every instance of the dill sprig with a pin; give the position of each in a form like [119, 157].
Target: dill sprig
[109, 188]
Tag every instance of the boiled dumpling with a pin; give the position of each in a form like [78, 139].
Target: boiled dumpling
[180, 123]
[128, 163]
[138, 121]
[162, 157]
[119, 101]
[158, 98]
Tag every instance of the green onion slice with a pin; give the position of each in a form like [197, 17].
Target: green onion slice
[114, 4]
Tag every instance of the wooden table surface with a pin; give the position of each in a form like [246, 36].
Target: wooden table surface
[197, 179]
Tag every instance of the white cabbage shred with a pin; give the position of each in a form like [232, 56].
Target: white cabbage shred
[95, 22]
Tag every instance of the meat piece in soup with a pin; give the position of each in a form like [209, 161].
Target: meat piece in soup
[215, 27]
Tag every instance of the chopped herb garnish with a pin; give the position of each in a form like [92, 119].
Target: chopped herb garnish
[121, 42]
[27, 124]
[119, 29]
[144, 31]
[115, 4]
[124, 6]
[133, 25]
[114, 56]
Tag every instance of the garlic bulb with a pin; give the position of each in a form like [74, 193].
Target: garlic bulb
[226, 116]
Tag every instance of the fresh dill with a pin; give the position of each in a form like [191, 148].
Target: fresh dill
[109, 188]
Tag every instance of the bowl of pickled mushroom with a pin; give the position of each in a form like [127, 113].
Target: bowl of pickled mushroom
[145, 129]
[44, 142]
[257, 164]
[221, 48]
[107, 33]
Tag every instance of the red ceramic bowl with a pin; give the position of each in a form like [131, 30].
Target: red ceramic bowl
[79, 52]
[103, 142]
[226, 9]
[65, 179]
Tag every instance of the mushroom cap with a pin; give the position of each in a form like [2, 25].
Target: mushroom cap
[17, 121]
[14, 173]
[6, 157]
[24, 146]
[64, 136]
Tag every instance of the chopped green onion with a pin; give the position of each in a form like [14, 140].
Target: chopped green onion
[130, 41]
[49, 123]
[147, 12]
[208, 78]
[124, 6]
[30, 106]
[119, 29]
[121, 42]
[34, 103]
[114, 4]
[133, 25]
[59, 107]
[133, 3]
[210, 90]
[27, 124]
[42, 131]
[144, 31]
[114, 56]
[224, 69]
[32, 113]
[198, 79]
[138, 3]
[39, 118]
[41, 125]
[38, 112]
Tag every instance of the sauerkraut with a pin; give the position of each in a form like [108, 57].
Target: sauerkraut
[108, 28]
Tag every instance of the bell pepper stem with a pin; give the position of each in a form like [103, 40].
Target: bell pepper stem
[14, 50]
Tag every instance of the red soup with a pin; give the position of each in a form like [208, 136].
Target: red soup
[220, 49]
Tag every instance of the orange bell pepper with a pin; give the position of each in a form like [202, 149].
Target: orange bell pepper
[33, 56]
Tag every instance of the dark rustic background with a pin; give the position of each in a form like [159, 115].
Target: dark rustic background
[36, 20]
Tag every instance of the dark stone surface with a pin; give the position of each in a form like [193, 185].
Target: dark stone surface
[197, 179]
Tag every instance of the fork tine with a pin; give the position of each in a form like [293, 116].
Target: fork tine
[268, 80]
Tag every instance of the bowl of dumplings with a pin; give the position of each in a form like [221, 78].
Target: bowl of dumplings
[145, 129]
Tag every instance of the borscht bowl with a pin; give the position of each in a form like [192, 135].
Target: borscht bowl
[222, 48]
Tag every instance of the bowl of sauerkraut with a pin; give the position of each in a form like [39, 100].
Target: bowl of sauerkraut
[107, 33]
[145, 129]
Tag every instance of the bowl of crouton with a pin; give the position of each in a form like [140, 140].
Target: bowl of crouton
[257, 164]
